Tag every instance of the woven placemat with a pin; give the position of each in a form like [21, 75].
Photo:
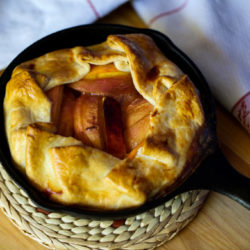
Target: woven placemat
[61, 231]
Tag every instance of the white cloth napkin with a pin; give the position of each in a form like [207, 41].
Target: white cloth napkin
[216, 36]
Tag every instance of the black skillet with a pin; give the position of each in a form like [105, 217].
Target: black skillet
[210, 171]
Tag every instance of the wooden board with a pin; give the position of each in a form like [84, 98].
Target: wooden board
[221, 224]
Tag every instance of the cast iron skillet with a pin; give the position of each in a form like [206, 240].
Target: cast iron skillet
[214, 172]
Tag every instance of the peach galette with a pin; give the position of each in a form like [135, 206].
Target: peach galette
[107, 126]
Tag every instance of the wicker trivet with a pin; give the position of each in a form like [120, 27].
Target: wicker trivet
[61, 231]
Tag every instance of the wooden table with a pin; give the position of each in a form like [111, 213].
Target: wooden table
[221, 224]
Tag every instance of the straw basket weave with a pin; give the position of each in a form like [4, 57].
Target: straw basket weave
[61, 231]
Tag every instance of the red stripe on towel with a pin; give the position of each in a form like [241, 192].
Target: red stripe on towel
[241, 110]
[93, 8]
[167, 13]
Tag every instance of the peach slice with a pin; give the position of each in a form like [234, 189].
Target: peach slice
[113, 86]
[136, 118]
[89, 121]
[65, 124]
[114, 141]
[55, 95]
[135, 134]
[136, 110]
[104, 71]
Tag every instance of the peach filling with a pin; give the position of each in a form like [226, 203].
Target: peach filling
[103, 110]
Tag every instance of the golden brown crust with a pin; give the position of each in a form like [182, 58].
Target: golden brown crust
[38, 163]
[176, 118]
[76, 174]
[24, 104]
[100, 54]
[56, 68]
[81, 172]
[147, 63]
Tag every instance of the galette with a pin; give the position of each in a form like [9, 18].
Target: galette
[108, 126]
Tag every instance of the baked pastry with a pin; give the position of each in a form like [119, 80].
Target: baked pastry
[107, 126]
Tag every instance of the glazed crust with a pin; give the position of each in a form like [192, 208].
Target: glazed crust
[74, 173]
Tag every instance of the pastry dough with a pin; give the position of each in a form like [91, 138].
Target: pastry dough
[75, 174]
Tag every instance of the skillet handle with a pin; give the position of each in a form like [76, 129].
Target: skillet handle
[216, 173]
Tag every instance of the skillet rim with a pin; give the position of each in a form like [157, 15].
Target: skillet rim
[164, 44]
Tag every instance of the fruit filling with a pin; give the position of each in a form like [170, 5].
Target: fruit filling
[103, 110]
